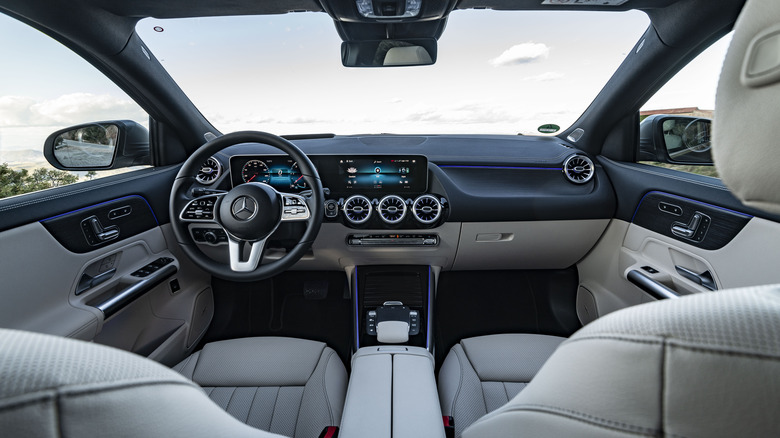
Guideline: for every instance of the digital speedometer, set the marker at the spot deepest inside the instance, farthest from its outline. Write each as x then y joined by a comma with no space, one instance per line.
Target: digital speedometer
255,171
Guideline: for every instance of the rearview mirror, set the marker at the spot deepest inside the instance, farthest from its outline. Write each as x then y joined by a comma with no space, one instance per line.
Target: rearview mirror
389,53
675,140
98,146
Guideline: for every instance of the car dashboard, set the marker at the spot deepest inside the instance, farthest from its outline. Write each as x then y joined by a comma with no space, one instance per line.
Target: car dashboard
459,202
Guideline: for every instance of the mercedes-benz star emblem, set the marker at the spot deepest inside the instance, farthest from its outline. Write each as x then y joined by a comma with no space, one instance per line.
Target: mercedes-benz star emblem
244,208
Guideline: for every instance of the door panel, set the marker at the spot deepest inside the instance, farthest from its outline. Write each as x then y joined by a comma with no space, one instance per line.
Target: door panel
124,283
655,233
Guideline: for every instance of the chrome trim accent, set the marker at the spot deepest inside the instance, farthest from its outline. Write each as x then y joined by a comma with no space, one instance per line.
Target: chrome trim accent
418,210
349,210
382,211
208,179
578,169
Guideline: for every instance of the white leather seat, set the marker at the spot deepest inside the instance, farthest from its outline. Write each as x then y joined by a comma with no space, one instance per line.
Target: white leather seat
483,373
702,365
288,386
54,387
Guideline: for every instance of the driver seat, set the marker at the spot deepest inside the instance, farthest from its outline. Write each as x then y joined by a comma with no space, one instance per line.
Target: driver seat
293,387
56,387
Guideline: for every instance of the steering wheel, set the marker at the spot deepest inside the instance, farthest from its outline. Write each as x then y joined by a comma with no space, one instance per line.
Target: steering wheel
249,213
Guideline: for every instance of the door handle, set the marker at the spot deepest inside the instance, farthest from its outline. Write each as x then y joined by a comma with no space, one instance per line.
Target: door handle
704,279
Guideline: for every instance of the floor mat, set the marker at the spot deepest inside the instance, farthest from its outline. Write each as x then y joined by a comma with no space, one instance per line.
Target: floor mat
278,307
474,303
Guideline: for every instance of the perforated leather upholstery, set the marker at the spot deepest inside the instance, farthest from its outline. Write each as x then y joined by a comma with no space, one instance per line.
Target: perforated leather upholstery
703,365
292,387
481,374
52,387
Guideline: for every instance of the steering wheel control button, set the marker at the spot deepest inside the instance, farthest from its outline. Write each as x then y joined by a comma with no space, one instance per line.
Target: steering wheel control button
295,208
244,208
201,209
213,236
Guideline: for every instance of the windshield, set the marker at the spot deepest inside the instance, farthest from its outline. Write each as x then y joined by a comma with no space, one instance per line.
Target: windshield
496,73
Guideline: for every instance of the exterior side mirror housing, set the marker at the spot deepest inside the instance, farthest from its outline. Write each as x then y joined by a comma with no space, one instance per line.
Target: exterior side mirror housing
675,140
99,146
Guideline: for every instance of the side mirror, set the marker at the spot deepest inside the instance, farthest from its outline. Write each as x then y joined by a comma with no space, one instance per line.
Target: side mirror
675,140
389,53
98,146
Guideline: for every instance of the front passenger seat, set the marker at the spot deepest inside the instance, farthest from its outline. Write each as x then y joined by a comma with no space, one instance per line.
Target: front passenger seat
292,387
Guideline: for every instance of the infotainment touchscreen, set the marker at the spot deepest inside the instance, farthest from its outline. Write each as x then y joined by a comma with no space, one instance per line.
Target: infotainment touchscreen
383,173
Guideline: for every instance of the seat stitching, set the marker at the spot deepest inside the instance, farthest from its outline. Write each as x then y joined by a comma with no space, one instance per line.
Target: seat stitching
211,391
230,400
506,392
325,389
251,405
187,362
592,419
700,349
273,413
460,382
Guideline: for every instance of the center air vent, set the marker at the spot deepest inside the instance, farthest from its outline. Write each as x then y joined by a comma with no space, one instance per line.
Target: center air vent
392,209
578,169
209,171
427,209
357,209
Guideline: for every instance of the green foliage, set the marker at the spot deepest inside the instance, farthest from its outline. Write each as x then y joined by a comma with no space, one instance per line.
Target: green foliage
17,182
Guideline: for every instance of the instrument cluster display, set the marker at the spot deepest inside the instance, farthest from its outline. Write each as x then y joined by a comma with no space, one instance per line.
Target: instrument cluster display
340,173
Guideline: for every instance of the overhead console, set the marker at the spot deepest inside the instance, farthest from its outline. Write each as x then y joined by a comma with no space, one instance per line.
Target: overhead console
362,191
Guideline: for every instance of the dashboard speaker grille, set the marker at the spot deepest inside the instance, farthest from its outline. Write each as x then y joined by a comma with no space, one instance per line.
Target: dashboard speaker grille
209,171
357,209
392,209
427,209
578,169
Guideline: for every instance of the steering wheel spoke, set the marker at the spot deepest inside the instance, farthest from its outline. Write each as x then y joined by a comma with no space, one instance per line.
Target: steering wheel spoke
201,209
294,208
237,248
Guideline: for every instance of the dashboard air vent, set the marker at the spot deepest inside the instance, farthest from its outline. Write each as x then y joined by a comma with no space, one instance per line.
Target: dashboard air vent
357,209
209,171
392,209
427,209
578,169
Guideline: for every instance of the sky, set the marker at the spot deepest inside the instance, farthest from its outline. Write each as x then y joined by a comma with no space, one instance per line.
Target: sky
497,72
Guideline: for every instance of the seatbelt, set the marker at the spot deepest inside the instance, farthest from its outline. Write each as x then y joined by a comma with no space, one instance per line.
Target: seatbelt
329,432
449,426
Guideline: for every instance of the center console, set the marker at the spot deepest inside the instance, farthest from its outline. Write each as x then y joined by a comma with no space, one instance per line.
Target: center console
392,388
392,394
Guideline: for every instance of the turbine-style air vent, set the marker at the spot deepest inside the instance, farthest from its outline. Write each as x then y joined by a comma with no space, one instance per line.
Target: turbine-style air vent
578,169
357,209
427,209
392,209
209,171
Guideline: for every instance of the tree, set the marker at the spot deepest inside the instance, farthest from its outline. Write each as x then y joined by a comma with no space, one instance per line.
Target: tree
91,175
17,182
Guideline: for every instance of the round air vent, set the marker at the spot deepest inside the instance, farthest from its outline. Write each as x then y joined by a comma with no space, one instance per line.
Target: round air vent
578,169
427,209
209,171
392,209
357,209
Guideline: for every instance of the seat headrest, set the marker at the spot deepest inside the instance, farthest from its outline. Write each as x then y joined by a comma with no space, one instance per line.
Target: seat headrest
747,107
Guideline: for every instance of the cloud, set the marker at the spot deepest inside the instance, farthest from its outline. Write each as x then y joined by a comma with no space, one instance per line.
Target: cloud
69,109
524,53
545,77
